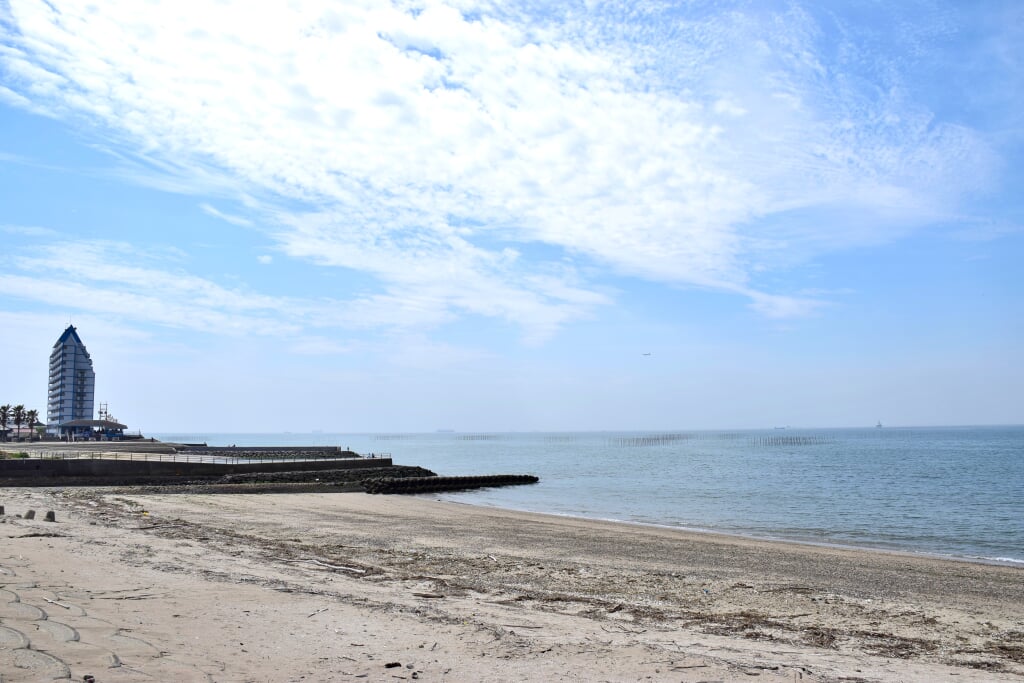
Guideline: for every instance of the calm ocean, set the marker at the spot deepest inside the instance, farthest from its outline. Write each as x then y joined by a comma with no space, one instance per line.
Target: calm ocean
955,491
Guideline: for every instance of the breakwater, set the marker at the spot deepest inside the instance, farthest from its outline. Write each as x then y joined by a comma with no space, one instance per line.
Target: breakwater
312,481
101,471
435,484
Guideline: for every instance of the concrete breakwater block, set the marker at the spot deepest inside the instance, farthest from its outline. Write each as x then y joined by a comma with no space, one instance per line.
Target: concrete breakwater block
435,484
31,514
51,516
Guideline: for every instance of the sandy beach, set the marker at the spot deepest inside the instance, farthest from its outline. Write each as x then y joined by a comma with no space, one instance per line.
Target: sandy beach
349,586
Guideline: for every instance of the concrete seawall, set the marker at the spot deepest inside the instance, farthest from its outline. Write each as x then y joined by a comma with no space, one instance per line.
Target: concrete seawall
83,471
317,451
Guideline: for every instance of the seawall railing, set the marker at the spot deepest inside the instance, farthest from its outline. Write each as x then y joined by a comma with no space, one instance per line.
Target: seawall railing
220,458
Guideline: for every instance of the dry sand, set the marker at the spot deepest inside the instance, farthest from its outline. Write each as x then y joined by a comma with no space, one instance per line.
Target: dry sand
335,587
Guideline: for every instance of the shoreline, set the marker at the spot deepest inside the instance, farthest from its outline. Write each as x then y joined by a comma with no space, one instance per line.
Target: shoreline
1001,562
484,502
981,539
693,534
889,500
334,586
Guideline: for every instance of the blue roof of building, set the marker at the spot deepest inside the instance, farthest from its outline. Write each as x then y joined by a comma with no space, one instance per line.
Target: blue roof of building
70,333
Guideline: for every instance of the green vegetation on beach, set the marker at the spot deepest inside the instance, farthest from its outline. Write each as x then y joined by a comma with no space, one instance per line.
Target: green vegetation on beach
18,415
17,454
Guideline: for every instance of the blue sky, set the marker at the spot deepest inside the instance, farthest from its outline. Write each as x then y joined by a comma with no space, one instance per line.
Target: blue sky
373,216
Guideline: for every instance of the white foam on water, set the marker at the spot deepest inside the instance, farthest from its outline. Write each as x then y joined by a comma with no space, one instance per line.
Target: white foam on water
1009,560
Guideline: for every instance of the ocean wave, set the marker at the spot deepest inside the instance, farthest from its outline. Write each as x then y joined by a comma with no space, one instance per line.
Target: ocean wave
1011,560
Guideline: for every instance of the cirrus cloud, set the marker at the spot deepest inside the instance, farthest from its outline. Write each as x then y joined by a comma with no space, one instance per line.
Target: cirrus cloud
490,161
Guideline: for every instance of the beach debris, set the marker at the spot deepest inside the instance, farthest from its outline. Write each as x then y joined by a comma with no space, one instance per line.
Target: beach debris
1,510
138,596
31,514
392,665
59,604
89,679
623,629
428,595
160,526
313,614
319,563
51,516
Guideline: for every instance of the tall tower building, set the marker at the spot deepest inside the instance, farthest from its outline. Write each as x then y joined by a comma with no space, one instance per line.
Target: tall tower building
72,382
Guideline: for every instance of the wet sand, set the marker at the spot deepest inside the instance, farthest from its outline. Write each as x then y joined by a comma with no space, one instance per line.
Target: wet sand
338,586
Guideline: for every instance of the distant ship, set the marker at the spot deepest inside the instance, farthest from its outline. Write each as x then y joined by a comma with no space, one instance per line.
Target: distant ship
879,425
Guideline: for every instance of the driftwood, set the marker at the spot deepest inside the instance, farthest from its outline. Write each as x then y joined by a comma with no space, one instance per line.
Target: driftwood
59,604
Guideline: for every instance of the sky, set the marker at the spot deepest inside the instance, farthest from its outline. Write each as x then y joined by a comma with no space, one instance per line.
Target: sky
378,216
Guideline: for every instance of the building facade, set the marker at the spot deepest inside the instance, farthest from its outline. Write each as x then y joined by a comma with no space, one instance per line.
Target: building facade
72,382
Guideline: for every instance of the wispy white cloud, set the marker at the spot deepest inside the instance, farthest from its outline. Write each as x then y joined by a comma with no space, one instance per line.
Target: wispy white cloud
28,230
180,176
10,97
153,286
230,218
782,307
440,147
122,281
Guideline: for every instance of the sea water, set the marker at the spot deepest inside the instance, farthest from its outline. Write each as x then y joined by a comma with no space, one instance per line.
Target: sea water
954,491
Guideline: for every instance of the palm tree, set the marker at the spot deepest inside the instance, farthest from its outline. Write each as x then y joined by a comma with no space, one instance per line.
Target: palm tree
19,416
5,415
32,417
